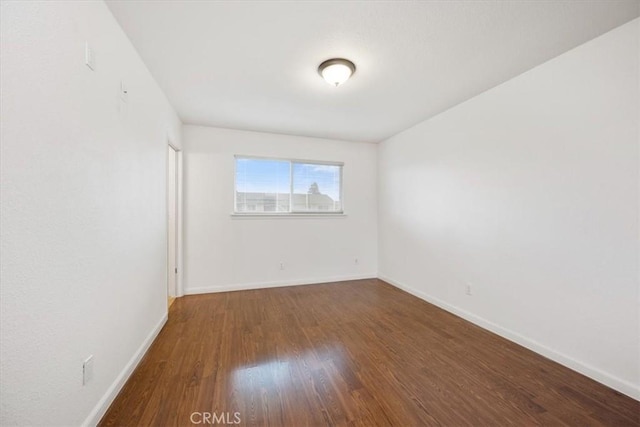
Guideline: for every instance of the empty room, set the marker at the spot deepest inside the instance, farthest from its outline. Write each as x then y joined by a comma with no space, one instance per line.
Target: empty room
320,213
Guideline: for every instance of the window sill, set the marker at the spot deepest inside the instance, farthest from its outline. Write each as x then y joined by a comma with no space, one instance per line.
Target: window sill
286,215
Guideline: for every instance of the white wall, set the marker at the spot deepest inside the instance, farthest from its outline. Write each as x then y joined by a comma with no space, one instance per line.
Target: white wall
83,228
222,252
530,193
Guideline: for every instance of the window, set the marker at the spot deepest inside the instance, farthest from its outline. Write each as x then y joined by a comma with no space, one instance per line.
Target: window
280,186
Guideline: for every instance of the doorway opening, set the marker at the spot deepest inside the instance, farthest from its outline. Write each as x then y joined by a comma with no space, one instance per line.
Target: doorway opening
173,221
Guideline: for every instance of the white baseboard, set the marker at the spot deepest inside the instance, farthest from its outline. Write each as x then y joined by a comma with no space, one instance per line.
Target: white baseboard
596,374
274,284
101,408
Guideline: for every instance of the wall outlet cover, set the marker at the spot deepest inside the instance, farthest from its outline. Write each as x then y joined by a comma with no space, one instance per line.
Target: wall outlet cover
87,370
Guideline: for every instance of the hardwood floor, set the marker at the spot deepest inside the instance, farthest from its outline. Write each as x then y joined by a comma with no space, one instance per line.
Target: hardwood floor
351,353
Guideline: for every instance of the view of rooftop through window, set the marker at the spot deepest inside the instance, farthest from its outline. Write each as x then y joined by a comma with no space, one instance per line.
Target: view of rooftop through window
281,186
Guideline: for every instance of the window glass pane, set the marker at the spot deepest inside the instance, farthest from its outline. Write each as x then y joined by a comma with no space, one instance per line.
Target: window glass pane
262,185
316,188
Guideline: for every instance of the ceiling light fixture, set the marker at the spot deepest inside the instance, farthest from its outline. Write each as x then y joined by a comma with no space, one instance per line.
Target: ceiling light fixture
336,71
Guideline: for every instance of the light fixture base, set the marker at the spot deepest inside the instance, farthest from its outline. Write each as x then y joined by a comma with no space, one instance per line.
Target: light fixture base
347,67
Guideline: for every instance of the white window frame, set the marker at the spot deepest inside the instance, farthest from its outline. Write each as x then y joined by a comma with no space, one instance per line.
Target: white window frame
291,212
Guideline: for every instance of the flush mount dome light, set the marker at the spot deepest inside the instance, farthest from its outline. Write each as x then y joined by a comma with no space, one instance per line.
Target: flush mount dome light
336,71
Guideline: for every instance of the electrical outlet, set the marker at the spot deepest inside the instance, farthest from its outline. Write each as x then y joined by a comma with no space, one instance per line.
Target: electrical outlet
87,370
282,266
357,261
467,289
124,92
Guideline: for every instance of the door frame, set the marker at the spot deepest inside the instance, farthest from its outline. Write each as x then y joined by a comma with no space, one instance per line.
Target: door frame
179,217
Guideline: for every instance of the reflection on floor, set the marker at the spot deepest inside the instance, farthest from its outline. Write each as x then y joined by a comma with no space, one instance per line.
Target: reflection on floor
359,353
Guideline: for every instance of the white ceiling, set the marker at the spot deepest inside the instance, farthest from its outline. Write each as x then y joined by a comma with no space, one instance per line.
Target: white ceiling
253,65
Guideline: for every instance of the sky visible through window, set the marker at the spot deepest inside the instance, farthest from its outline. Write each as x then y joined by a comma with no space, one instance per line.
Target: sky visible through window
272,176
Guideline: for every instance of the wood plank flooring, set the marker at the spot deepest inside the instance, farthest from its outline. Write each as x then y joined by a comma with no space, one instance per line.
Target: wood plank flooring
359,353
